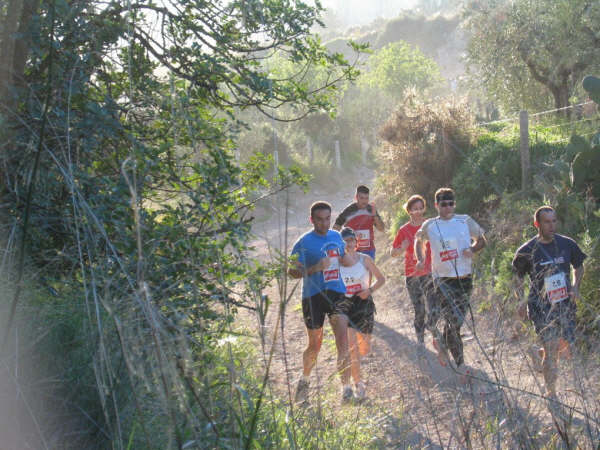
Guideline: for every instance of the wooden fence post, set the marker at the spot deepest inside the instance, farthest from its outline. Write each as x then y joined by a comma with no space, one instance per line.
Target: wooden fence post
338,158
309,152
364,146
525,159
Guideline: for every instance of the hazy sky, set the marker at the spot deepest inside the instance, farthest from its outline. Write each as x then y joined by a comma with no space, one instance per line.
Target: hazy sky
360,12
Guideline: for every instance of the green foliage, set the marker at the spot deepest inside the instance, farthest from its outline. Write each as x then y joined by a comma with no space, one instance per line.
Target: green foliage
528,52
584,177
492,169
278,426
398,66
123,134
489,187
427,33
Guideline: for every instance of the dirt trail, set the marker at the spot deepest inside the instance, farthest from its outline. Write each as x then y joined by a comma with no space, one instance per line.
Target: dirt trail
417,402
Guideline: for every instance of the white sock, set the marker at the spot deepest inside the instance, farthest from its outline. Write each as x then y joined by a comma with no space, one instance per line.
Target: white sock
347,386
305,378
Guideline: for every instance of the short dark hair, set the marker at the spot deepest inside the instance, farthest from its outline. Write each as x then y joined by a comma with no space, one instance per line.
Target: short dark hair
362,189
414,199
444,193
540,210
348,232
319,205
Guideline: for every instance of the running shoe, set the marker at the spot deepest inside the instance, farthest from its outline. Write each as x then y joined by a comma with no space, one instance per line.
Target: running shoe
301,392
347,395
361,391
536,358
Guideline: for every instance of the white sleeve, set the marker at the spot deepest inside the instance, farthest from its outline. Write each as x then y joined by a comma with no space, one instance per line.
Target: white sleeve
475,229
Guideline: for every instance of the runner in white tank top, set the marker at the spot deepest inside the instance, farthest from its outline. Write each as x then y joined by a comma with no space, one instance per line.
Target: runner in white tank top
361,317
454,239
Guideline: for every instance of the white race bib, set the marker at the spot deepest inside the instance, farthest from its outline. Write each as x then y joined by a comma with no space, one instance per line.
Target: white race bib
556,287
332,273
449,250
363,238
353,289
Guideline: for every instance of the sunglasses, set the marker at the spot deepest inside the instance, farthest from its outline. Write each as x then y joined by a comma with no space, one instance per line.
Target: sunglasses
444,203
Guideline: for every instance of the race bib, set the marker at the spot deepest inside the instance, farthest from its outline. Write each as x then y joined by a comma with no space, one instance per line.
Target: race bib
449,250
556,287
353,289
332,273
363,238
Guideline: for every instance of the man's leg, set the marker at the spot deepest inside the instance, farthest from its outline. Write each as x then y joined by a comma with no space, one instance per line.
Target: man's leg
339,325
309,357
549,365
457,298
437,307
314,316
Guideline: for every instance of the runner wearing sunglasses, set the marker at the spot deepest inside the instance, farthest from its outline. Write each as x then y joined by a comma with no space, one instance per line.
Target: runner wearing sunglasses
454,239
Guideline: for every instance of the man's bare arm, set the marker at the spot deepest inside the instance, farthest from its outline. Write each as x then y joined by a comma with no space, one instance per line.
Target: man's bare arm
479,244
297,269
519,293
378,223
577,277
419,251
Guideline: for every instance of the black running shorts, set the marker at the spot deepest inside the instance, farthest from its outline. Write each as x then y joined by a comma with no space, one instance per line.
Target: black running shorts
324,303
362,315
552,321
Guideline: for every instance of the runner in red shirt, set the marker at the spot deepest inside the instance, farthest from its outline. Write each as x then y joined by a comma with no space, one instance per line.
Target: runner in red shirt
361,216
418,282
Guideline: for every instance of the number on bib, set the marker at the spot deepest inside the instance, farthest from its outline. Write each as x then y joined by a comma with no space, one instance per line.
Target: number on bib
450,251
363,238
556,287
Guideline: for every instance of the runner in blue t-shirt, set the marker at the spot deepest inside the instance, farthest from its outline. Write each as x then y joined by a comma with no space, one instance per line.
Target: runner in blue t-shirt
547,259
319,254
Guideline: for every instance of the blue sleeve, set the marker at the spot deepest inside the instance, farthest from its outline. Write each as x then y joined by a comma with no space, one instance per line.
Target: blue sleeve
298,249
342,247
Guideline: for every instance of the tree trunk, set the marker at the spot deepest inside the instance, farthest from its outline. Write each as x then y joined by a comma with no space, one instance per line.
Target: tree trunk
22,45
561,98
9,26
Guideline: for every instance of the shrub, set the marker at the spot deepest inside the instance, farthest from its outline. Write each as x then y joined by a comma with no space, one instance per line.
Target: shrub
423,145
